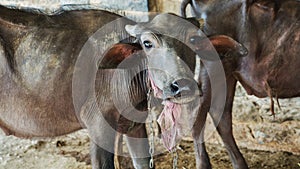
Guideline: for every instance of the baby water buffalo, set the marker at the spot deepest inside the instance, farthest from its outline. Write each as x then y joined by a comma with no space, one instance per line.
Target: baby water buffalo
270,30
40,56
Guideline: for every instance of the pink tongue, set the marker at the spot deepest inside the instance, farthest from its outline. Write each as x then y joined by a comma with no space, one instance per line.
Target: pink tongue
168,123
167,119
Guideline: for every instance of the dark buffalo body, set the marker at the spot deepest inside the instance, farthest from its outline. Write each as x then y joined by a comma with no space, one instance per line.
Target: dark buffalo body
37,62
37,59
270,30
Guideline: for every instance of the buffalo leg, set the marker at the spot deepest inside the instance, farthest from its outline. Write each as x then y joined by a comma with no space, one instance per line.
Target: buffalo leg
202,159
138,147
224,128
101,159
102,138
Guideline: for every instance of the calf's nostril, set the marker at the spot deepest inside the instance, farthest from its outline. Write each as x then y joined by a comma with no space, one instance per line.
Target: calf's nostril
182,87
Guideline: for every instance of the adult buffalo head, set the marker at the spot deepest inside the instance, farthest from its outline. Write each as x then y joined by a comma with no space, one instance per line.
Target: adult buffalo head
220,17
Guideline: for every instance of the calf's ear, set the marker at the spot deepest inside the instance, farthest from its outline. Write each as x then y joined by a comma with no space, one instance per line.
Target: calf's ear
117,54
134,30
228,47
225,46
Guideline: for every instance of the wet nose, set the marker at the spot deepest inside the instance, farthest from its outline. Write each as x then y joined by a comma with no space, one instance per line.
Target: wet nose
183,87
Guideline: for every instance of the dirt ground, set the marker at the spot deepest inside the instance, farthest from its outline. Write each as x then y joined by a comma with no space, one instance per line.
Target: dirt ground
264,141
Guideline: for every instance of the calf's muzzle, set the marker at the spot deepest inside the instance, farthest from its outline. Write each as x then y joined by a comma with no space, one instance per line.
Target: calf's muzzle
180,88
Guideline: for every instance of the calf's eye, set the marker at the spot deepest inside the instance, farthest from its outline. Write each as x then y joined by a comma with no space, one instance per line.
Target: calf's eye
147,44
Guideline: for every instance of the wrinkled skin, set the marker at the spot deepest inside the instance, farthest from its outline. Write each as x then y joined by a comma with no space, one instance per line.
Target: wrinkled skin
270,30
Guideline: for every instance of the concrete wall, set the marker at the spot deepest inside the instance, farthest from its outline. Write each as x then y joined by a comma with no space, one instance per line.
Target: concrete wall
52,6
134,9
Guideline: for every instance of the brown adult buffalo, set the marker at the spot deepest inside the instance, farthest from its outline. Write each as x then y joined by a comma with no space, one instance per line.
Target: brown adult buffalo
40,56
270,30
